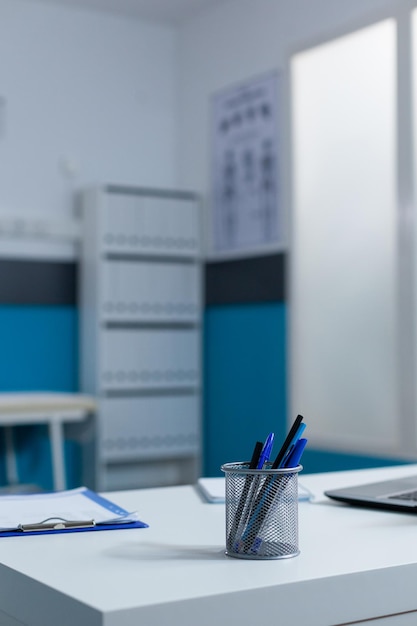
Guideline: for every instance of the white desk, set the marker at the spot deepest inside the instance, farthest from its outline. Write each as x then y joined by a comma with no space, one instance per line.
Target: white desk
354,565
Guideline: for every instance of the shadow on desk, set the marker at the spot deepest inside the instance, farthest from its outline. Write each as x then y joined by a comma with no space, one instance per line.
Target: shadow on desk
164,551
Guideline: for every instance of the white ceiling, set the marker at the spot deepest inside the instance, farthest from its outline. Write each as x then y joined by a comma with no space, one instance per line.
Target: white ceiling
168,11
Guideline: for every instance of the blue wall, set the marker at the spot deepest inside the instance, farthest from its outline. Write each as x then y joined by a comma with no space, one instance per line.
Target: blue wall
245,380
39,353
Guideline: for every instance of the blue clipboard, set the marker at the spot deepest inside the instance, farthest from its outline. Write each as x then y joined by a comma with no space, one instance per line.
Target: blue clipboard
117,519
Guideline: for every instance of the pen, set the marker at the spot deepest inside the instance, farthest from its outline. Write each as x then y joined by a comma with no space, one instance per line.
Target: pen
245,491
266,451
293,431
292,445
250,494
290,439
255,455
295,456
293,460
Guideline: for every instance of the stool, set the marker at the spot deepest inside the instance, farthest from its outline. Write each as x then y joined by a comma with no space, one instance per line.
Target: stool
54,409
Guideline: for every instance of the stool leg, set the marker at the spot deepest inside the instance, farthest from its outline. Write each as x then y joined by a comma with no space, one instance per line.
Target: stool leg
11,463
57,449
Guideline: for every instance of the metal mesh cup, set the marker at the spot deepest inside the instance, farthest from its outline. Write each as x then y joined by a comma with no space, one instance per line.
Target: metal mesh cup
261,512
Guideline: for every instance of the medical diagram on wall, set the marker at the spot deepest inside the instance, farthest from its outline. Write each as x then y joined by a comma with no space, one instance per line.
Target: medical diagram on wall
245,167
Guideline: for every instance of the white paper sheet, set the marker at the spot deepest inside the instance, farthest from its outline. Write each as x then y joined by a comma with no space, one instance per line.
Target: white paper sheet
68,505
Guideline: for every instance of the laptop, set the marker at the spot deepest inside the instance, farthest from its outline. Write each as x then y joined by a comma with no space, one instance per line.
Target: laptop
399,494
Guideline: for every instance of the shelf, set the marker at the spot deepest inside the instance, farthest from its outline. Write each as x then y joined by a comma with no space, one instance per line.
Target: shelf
141,317
126,245
127,313
166,387
151,427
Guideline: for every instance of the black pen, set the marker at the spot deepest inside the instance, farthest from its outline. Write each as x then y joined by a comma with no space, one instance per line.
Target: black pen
245,491
293,431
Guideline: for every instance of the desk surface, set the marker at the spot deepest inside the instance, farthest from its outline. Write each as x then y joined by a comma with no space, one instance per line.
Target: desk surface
355,564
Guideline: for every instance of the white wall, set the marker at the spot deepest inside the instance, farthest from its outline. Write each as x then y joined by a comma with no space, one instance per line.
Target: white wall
90,98
243,39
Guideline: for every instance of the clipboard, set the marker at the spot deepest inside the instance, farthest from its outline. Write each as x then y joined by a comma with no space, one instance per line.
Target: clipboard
73,510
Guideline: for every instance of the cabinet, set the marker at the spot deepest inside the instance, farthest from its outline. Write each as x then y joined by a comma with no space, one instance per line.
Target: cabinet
140,331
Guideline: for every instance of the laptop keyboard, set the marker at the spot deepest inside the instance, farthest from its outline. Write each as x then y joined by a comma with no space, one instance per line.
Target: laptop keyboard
410,496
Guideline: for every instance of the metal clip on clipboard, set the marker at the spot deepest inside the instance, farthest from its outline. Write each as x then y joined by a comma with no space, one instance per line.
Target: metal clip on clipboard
58,524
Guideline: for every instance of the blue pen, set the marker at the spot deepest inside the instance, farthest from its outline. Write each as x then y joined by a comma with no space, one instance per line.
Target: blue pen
251,493
293,461
295,456
266,451
292,445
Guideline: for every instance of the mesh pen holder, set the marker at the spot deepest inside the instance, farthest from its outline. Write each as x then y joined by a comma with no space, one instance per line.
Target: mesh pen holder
261,511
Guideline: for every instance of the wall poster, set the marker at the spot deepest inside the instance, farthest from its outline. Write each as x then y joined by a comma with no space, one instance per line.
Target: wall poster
245,167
